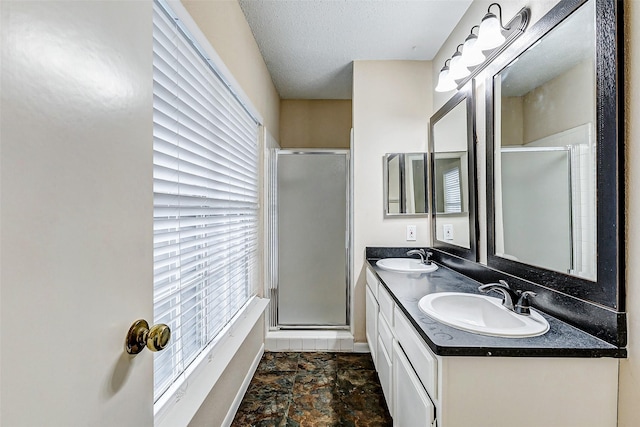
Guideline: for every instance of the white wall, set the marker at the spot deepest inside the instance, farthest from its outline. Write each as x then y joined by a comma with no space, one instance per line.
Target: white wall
391,108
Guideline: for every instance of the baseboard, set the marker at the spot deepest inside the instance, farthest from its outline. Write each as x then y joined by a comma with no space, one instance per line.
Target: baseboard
243,389
361,347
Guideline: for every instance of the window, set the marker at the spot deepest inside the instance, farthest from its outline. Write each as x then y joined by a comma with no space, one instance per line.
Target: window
205,199
452,196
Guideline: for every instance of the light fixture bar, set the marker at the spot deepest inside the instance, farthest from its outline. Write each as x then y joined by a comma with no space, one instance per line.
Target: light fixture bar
460,64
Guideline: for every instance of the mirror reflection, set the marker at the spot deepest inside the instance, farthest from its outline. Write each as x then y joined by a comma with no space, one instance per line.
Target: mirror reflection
545,159
405,184
451,177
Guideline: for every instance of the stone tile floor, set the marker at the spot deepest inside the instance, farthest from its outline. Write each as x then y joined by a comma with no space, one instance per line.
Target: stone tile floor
314,390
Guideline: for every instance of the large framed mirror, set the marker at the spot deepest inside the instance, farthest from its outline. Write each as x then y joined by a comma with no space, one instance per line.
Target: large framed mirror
554,154
405,184
453,176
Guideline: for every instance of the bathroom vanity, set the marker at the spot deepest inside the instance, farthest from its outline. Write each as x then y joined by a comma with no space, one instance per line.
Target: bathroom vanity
433,374
553,224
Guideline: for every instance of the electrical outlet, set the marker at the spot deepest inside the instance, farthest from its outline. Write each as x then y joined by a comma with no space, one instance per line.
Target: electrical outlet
448,231
411,232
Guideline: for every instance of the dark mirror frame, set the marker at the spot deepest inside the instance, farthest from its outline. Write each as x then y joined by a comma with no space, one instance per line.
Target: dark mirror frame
608,290
467,95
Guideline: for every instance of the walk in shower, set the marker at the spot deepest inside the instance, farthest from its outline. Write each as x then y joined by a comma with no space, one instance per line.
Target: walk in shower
309,240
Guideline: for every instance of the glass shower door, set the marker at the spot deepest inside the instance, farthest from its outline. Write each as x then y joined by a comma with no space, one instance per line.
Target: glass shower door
312,230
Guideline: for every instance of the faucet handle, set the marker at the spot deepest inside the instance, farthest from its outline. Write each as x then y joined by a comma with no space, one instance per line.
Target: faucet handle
504,283
427,257
523,306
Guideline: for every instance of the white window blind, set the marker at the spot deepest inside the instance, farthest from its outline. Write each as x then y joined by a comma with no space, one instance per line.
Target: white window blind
452,196
205,200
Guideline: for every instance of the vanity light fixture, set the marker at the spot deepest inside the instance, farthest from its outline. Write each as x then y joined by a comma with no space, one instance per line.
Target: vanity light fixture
493,38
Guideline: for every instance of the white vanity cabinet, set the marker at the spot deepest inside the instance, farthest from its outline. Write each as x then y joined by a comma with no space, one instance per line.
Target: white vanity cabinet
406,396
424,389
371,297
379,315
413,405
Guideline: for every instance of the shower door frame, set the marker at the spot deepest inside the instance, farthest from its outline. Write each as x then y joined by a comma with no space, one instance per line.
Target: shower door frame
272,237
569,150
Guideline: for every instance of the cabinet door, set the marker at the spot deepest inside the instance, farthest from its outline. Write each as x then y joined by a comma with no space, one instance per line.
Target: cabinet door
412,406
372,325
385,374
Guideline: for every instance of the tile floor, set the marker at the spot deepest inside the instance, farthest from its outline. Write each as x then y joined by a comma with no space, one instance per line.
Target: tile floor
314,390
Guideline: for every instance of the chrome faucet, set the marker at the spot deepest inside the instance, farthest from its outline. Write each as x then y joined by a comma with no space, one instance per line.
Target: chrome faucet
424,256
522,306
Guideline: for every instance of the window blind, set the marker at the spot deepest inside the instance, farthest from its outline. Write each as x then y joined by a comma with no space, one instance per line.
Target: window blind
452,196
205,180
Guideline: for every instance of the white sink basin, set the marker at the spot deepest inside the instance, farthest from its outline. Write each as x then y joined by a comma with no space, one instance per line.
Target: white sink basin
406,265
482,315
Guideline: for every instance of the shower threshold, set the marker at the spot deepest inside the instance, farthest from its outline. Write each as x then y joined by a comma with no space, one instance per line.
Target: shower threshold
313,340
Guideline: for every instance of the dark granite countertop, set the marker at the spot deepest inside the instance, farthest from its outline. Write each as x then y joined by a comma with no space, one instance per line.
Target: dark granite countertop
562,339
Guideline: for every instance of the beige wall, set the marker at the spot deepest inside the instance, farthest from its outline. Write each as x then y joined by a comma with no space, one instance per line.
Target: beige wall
226,28
216,406
315,123
512,120
560,104
391,107
629,391
555,106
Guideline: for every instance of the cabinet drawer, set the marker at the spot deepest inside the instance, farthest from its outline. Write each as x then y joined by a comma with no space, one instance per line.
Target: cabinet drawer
386,304
386,337
423,360
372,282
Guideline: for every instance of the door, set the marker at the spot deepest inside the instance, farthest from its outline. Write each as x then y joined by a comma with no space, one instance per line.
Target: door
313,208
76,212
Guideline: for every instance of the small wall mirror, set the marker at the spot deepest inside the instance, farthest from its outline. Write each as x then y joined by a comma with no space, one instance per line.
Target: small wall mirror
453,176
552,131
405,190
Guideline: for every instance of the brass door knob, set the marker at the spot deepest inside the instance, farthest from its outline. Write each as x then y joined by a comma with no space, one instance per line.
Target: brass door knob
140,335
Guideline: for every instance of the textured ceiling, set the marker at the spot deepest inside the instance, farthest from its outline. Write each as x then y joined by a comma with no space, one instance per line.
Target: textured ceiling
309,45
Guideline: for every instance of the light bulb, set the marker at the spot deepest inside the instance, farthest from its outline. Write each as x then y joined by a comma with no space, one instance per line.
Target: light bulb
445,83
471,55
490,33
457,69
